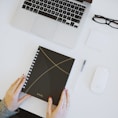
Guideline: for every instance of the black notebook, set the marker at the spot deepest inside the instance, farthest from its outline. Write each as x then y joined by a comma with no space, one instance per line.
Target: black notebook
48,74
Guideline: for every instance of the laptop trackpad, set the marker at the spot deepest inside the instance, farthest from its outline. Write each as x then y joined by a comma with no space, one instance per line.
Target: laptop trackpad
44,27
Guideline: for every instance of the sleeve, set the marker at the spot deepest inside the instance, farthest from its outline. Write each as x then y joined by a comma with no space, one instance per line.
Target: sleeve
4,112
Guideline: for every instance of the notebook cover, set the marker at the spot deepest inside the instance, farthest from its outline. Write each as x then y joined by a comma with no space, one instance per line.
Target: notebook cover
48,75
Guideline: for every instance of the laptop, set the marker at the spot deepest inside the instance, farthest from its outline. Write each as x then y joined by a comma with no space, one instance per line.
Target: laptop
58,21
24,114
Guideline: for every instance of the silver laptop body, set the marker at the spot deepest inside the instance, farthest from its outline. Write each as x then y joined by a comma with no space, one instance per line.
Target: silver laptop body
62,28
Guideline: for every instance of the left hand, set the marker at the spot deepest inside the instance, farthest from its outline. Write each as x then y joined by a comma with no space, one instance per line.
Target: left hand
11,98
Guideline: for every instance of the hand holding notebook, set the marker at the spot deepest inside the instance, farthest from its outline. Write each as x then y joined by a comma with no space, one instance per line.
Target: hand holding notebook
61,109
48,75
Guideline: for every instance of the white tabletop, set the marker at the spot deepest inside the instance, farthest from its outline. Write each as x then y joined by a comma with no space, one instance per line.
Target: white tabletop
17,49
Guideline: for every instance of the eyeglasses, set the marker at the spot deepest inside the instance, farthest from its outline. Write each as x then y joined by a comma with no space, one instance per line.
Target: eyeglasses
102,20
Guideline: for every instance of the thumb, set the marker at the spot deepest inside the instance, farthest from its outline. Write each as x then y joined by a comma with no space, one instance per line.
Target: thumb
21,100
49,108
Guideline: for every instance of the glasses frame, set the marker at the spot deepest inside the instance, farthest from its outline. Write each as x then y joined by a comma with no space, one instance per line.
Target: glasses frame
108,21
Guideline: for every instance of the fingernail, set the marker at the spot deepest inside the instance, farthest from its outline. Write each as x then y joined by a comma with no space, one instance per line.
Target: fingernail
23,75
49,98
65,89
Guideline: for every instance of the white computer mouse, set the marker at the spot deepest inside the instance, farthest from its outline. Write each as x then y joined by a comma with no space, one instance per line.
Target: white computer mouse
99,80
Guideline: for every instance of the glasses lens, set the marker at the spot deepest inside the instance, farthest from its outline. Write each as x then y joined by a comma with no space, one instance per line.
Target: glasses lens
114,24
100,20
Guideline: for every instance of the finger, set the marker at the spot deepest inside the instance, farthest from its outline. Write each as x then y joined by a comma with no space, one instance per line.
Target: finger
62,99
16,84
49,108
20,85
67,99
16,81
13,86
22,99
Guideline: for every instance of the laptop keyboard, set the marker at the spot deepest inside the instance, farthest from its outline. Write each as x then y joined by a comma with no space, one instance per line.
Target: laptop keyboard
64,11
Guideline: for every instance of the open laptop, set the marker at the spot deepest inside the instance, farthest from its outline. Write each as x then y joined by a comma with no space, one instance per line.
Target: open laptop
59,21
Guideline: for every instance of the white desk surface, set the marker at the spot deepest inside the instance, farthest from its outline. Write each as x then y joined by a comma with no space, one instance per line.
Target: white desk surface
17,49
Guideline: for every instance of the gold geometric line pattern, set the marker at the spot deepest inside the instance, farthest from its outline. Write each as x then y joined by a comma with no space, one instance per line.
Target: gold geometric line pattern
53,62
47,72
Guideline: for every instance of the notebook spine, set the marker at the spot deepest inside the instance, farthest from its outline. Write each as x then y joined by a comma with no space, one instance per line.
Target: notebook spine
31,68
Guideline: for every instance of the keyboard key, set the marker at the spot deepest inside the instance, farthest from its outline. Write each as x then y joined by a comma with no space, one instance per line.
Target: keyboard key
59,19
28,3
75,20
72,23
48,15
64,20
23,6
77,17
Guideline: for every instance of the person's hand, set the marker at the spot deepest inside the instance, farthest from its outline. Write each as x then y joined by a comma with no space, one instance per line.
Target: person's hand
62,107
12,99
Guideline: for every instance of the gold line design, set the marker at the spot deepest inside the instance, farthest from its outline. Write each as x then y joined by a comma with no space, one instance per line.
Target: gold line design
53,62
55,65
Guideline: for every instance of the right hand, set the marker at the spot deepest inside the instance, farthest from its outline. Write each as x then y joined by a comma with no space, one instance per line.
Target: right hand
62,107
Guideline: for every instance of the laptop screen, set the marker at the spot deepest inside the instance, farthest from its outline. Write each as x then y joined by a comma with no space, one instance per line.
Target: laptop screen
90,1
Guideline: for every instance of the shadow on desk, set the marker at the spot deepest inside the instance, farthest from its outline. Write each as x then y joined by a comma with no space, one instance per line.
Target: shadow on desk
25,114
